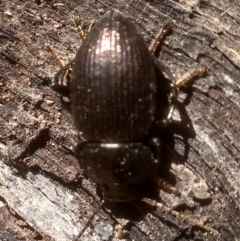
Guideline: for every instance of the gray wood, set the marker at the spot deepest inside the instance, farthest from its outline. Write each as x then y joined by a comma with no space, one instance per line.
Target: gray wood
40,198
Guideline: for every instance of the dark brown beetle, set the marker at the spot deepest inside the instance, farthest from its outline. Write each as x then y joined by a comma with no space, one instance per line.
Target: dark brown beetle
114,93
113,104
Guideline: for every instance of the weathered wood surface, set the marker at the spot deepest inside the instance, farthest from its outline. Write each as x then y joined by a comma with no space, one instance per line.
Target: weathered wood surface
39,199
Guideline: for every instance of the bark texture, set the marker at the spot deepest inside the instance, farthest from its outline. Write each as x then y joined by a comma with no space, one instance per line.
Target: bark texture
40,198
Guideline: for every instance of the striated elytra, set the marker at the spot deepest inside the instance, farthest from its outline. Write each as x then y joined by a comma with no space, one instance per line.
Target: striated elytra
114,98
113,88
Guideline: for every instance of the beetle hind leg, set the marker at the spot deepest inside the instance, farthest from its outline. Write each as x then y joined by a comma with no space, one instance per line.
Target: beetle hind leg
167,187
182,216
159,37
190,75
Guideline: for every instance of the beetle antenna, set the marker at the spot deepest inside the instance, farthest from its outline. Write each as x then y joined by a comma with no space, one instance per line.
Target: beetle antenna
89,220
180,215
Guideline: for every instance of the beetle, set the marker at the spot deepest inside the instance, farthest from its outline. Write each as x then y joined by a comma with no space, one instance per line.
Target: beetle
113,93
118,102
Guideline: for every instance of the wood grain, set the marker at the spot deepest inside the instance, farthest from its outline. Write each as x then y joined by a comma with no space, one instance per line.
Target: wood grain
40,198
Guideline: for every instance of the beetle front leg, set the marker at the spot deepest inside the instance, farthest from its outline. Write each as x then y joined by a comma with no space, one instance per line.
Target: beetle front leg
57,85
62,89
81,34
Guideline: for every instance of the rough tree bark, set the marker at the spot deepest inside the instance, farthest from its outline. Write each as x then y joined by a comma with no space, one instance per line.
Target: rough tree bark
39,197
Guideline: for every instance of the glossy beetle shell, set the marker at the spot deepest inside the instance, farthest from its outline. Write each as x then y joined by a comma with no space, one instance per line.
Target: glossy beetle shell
118,168
113,86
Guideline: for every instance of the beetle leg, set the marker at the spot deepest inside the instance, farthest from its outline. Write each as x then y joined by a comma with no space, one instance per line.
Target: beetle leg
57,59
54,56
155,144
180,215
176,84
95,212
187,77
63,87
79,29
190,76
164,185
159,37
